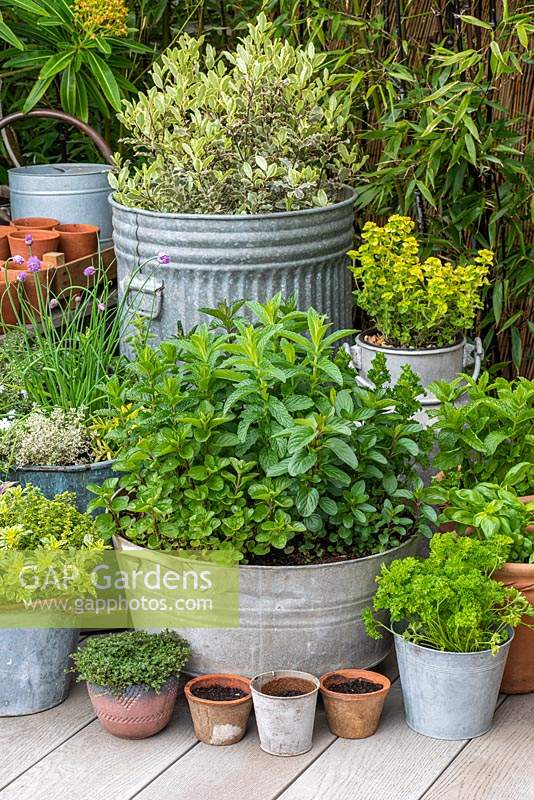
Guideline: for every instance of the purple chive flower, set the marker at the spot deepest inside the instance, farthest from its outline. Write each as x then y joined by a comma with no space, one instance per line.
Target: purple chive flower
34,265
22,276
88,271
18,260
28,239
101,306
53,304
164,258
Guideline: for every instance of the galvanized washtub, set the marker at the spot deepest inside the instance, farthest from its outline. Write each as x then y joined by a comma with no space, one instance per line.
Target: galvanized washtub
32,668
304,617
216,257
54,480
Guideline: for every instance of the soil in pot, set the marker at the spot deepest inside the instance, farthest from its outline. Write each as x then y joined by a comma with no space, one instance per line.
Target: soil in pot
287,687
220,706
77,240
353,701
36,223
43,242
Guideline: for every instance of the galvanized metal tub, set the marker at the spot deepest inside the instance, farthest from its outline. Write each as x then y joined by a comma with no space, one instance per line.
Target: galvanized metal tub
449,695
54,480
305,616
216,257
67,192
32,668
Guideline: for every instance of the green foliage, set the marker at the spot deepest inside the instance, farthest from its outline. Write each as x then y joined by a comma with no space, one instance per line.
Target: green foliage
258,129
449,601
257,441
488,510
132,658
490,438
12,396
415,303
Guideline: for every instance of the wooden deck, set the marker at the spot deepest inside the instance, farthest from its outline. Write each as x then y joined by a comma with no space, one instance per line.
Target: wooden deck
64,754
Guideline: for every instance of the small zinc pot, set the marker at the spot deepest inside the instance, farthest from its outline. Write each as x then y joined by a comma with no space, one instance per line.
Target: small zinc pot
449,695
5,230
77,240
55,480
137,713
43,242
285,723
219,722
32,668
36,223
353,716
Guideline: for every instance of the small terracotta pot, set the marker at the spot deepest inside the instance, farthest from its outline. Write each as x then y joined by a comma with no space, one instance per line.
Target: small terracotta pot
353,716
518,675
77,241
9,298
219,722
5,230
138,713
36,223
43,242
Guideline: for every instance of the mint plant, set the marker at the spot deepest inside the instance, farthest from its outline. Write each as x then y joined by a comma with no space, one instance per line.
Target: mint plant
489,439
449,601
257,441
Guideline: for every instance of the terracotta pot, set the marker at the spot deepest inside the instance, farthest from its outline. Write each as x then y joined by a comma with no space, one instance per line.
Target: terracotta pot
5,230
43,242
9,298
36,223
77,241
219,722
518,675
138,713
353,716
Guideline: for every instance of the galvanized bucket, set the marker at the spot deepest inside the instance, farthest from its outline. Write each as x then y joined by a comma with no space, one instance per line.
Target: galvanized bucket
449,695
54,480
32,668
433,364
285,724
216,257
67,192
305,615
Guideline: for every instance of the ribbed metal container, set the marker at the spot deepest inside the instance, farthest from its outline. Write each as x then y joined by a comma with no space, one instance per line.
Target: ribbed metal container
219,257
54,480
307,616
67,192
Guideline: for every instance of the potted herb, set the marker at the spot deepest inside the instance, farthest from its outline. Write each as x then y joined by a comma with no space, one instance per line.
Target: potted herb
490,438
485,511
132,679
220,706
420,309
254,442
239,166
453,626
284,706
353,700
35,534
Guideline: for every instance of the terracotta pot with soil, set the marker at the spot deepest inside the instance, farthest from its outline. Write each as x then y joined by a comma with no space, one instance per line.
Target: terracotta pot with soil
5,230
77,240
137,713
36,223
353,701
42,242
284,704
220,706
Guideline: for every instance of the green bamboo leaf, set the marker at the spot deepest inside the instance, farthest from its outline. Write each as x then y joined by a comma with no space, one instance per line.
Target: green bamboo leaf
496,300
517,348
474,21
105,79
511,321
471,148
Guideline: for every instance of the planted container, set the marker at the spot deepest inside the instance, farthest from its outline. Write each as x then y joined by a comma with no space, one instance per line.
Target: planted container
353,701
220,714
136,713
43,242
77,240
216,257
55,480
307,615
450,695
33,663
284,705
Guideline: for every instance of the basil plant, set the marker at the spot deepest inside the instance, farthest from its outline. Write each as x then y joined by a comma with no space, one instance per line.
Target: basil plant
254,439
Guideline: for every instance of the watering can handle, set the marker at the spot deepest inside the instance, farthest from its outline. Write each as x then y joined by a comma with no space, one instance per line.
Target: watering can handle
474,354
50,113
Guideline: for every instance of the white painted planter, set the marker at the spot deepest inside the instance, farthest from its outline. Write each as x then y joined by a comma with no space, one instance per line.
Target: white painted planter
285,724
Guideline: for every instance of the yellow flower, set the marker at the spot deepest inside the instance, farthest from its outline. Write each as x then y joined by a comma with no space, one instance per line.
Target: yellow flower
101,17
